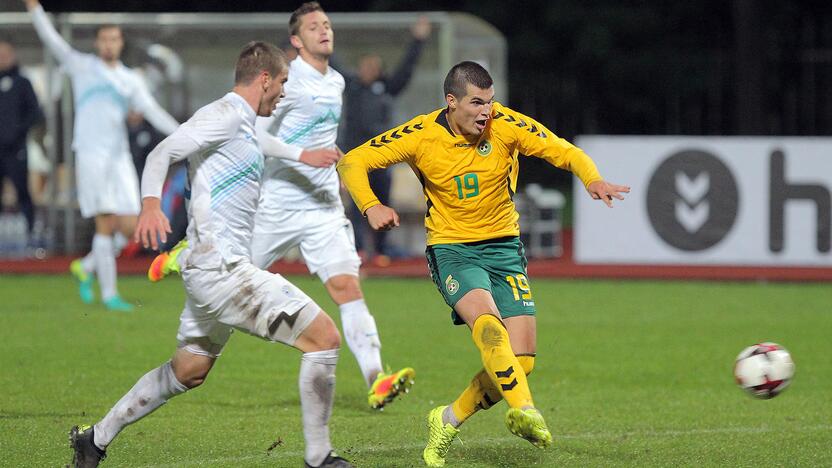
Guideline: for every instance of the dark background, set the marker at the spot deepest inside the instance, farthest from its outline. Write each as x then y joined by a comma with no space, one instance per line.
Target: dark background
698,67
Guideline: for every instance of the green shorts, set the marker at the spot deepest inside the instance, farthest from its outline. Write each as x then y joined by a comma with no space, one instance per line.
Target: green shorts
496,265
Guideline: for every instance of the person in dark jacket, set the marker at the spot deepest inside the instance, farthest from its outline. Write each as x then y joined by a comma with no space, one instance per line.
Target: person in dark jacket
19,111
369,97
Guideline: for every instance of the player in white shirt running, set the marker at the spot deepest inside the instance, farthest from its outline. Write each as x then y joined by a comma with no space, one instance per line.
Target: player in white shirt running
223,289
108,189
300,204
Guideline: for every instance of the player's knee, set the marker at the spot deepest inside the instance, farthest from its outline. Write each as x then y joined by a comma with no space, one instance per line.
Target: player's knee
193,381
320,335
328,338
344,288
191,373
489,332
191,376
527,362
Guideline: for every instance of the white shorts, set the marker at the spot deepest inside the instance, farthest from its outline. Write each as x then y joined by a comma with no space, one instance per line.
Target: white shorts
325,237
107,184
244,297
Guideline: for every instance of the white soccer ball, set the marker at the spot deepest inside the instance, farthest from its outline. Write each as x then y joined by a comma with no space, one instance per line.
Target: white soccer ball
764,370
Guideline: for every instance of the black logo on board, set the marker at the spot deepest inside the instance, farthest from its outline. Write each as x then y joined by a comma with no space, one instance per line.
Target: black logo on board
692,200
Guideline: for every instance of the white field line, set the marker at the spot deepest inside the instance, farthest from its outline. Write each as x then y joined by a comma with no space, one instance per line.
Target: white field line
281,454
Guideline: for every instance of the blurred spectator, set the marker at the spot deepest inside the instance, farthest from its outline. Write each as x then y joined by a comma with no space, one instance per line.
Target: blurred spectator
369,97
19,111
143,138
40,167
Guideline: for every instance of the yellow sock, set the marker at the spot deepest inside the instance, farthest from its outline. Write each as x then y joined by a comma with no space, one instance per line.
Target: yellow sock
481,392
527,361
500,363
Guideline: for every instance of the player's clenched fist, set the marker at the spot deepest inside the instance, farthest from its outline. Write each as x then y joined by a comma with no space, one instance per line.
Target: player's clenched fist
382,218
152,225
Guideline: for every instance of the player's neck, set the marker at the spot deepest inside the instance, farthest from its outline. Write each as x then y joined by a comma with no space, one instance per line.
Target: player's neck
318,62
458,129
250,94
112,63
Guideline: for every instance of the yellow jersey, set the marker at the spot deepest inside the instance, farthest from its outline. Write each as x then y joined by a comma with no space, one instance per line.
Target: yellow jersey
468,184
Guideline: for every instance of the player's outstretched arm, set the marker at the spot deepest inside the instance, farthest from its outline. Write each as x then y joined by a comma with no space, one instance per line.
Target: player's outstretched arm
152,225
321,157
145,103
382,217
53,41
274,147
606,191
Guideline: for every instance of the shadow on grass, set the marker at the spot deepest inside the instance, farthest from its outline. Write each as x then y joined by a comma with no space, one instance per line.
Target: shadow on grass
31,415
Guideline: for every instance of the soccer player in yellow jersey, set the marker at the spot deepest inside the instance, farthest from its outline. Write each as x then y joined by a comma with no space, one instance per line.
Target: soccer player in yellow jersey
465,155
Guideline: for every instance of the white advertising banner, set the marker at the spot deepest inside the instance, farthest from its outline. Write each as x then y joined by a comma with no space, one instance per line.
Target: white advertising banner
709,201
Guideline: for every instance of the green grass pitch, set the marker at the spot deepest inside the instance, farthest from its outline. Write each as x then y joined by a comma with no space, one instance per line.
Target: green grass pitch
627,374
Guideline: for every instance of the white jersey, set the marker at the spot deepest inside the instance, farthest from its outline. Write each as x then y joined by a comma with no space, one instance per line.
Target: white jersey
307,118
225,166
103,95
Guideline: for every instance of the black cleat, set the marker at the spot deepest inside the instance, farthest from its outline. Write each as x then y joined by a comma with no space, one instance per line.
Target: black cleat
86,454
331,461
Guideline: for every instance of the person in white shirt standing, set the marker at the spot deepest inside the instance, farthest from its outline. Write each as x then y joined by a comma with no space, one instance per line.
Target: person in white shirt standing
223,290
300,204
108,188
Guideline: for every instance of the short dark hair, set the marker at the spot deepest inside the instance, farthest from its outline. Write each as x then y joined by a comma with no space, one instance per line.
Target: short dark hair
256,57
294,20
463,73
102,27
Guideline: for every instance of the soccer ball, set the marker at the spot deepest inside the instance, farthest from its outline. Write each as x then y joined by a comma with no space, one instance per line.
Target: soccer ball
764,370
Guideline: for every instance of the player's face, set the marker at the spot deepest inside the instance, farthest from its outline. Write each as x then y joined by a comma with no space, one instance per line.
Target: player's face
272,92
109,43
315,34
470,114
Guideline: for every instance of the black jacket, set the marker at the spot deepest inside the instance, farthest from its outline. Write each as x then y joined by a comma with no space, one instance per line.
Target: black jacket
19,110
369,109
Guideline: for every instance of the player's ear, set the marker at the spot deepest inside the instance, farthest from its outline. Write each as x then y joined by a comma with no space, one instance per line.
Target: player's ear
265,80
451,100
295,41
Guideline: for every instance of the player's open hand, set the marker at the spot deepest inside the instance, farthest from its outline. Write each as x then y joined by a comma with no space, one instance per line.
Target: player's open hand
605,191
30,4
421,28
152,225
323,157
382,218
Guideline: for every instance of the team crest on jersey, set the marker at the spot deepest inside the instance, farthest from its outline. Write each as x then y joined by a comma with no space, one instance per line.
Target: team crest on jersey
484,148
451,285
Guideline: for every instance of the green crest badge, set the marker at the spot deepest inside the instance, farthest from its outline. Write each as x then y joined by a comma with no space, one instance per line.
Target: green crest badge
484,148
451,285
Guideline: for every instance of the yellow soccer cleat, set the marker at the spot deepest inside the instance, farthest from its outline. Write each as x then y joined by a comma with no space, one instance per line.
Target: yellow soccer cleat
440,437
529,424
165,263
388,386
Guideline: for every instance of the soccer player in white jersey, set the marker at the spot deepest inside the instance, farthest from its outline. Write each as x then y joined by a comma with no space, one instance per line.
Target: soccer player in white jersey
301,204
223,289
108,189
